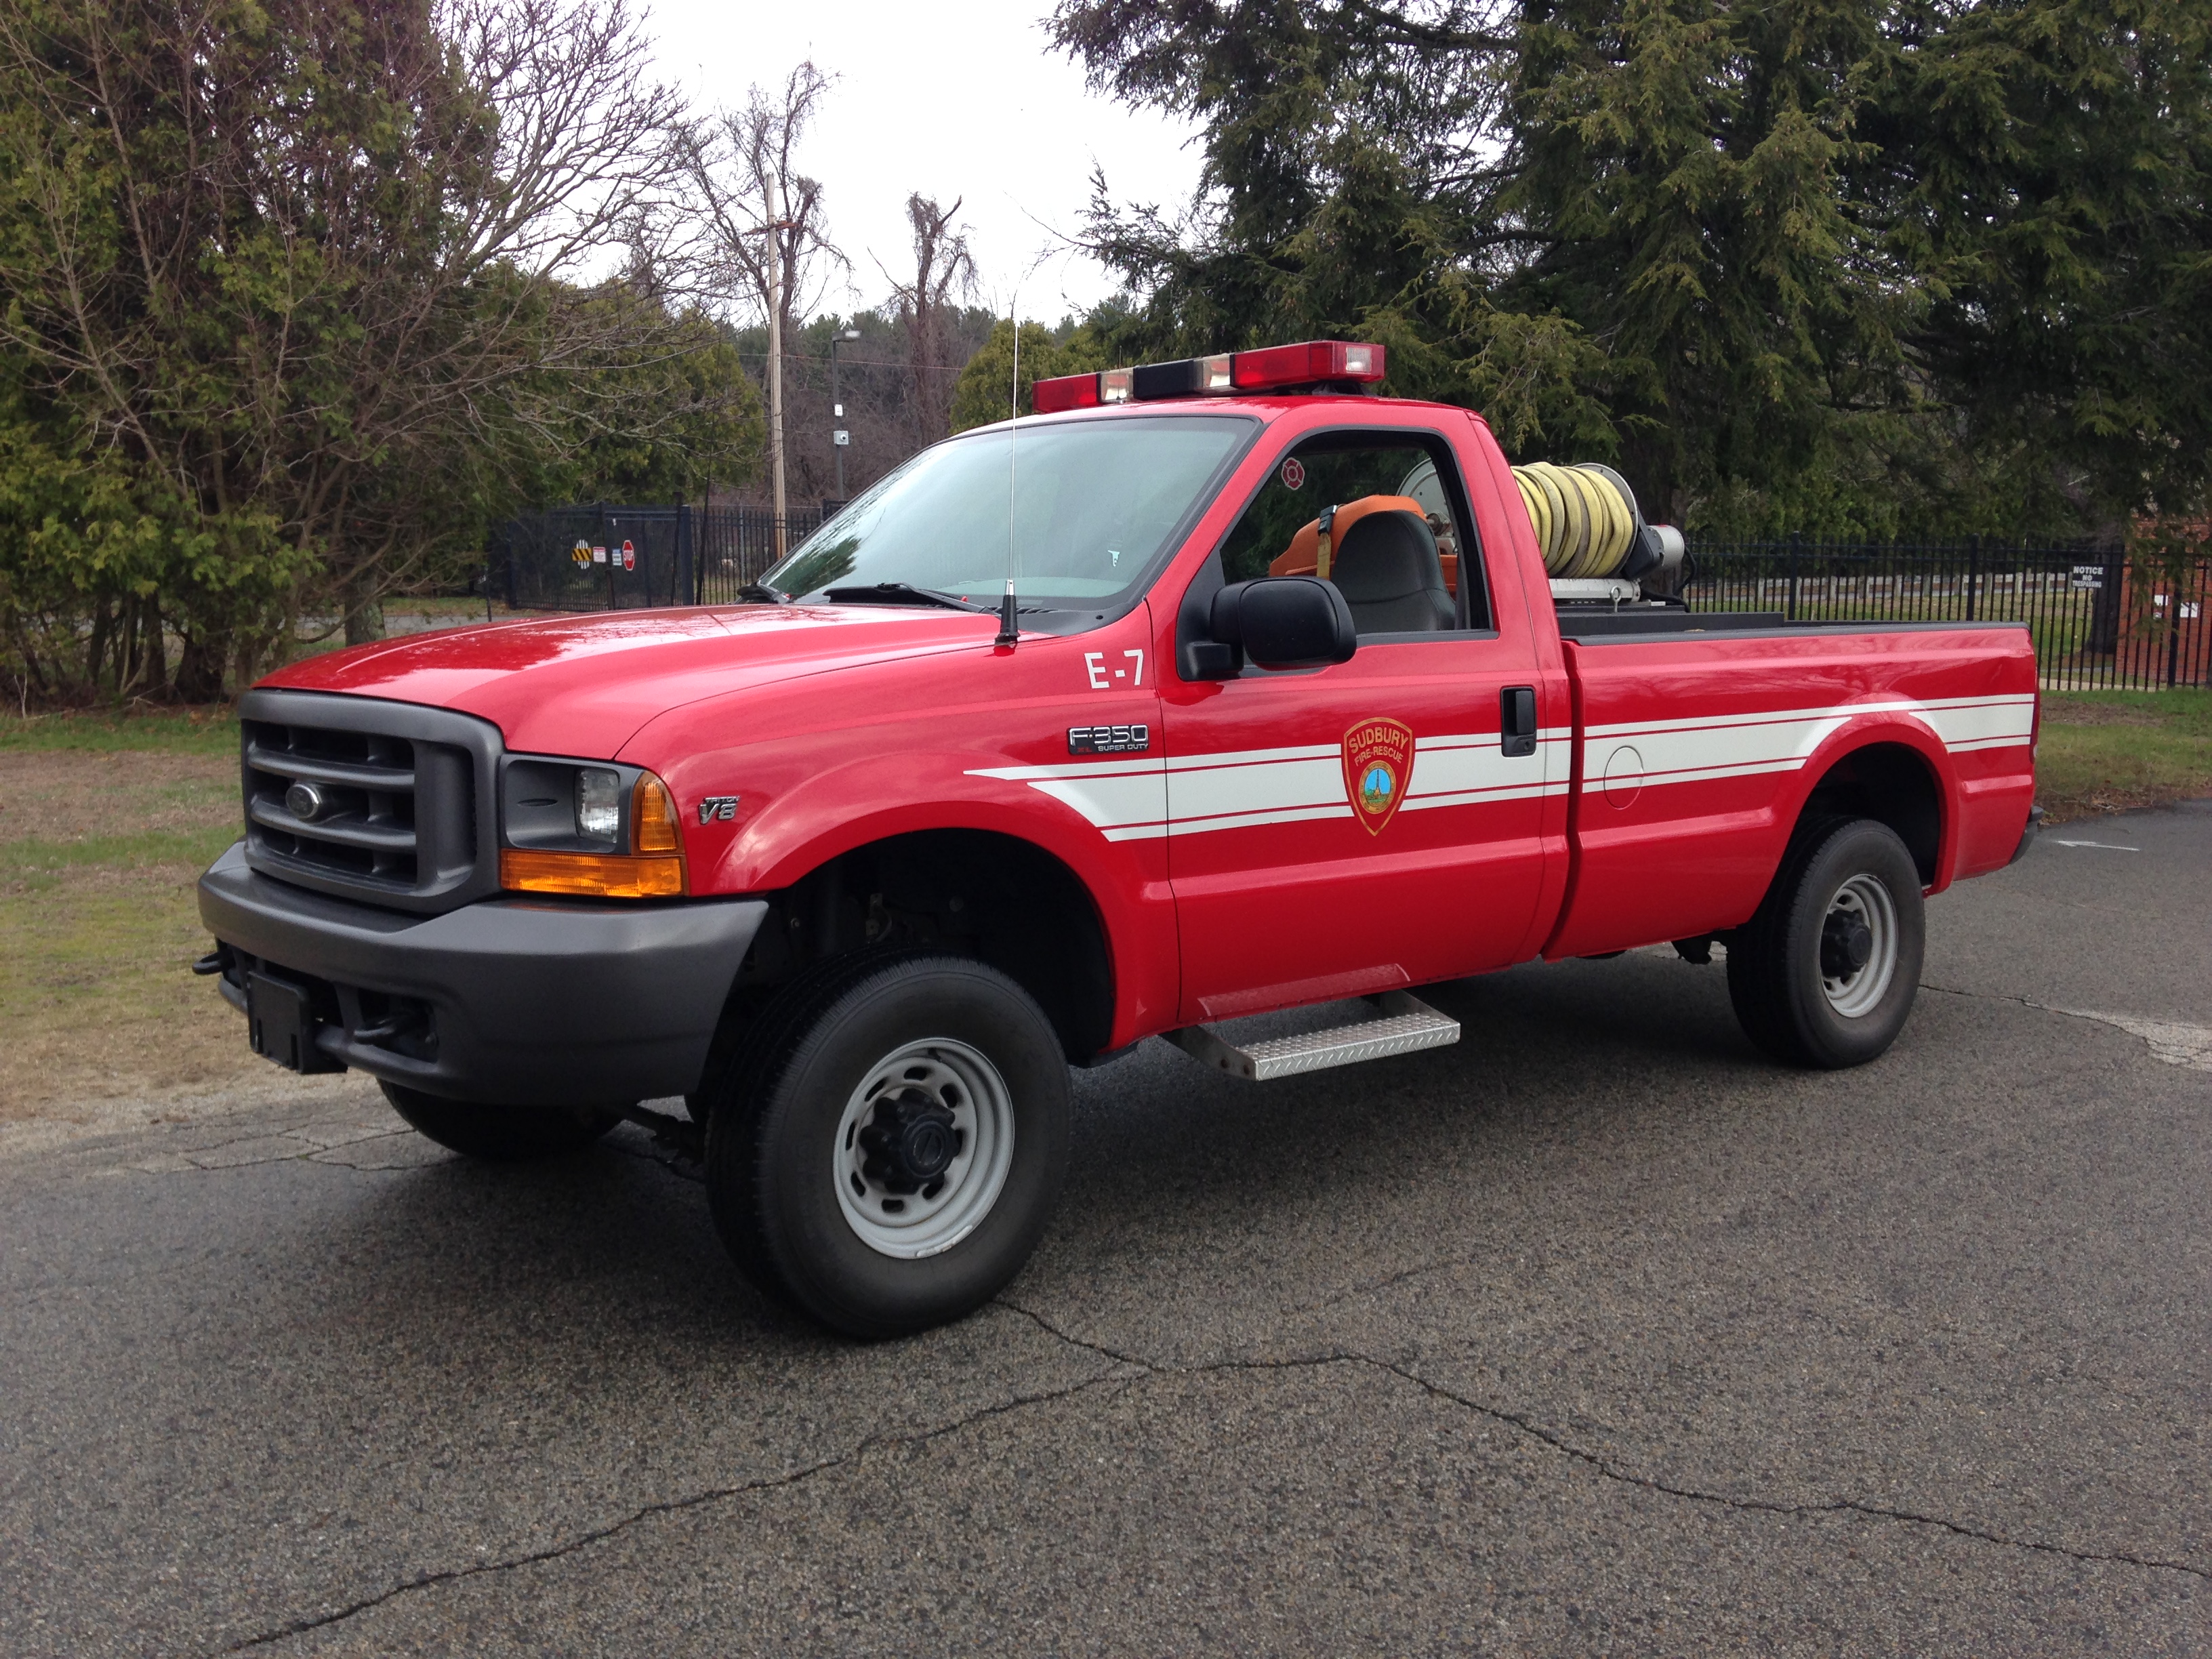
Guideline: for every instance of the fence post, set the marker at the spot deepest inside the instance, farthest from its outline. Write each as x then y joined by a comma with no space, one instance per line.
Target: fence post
1796,537
2173,628
685,583
1974,571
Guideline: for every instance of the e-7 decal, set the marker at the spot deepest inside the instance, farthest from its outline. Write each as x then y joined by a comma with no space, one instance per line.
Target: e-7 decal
1094,665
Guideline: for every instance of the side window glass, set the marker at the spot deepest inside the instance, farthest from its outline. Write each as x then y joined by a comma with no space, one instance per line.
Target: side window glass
1381,514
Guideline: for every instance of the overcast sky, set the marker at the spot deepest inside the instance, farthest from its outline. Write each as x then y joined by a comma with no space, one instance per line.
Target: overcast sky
964,100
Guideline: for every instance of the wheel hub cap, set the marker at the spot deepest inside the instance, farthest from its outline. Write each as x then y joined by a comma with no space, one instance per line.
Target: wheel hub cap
909,1142
1859,946
1846,942
923,1148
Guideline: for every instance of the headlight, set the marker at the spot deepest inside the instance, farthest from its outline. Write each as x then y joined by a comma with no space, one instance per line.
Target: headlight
589,831
598,804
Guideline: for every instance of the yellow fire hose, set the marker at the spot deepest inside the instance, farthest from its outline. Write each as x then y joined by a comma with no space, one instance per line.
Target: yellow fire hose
1585,517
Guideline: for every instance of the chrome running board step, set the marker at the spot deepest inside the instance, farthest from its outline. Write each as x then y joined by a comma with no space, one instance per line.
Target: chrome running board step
1407,1023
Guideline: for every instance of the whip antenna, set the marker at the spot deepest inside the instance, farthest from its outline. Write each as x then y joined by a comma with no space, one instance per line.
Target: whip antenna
1010,626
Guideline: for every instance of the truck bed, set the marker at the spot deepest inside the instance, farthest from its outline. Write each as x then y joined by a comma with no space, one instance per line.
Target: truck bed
1700,737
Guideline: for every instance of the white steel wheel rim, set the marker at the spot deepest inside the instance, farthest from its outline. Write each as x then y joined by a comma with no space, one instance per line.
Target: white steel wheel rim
911,1224
1866,900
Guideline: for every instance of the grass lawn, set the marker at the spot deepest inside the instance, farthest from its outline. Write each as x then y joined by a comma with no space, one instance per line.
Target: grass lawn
105,823
2105,751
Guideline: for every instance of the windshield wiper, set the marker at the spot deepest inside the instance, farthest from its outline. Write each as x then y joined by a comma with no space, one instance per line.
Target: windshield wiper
903,593
758,593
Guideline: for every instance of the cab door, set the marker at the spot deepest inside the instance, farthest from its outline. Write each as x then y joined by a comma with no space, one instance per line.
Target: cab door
1353,828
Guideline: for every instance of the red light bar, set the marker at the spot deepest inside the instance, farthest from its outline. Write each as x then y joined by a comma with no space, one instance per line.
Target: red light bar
1306,363
1068,391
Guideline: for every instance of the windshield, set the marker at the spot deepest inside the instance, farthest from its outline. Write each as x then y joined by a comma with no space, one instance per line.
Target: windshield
1092,503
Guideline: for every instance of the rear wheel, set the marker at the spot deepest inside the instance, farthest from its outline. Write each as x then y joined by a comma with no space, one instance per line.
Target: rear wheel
887,1154
501,1134
1825,974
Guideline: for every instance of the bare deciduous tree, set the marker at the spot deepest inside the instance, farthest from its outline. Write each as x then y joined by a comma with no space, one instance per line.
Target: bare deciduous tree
944,273
750,230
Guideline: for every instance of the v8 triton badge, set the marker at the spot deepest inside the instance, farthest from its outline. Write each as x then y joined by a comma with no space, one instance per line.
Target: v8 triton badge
1378,763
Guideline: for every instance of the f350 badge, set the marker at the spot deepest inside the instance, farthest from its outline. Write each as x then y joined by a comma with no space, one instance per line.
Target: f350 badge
1378,763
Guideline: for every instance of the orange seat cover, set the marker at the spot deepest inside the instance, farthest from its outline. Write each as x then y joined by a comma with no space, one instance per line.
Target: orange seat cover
1302,555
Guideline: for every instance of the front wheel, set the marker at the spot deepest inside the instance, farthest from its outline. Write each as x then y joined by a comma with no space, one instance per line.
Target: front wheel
500,1134
893,1162
1825,974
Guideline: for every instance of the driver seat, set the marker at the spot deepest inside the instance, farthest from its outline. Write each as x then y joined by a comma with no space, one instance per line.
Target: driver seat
1390,573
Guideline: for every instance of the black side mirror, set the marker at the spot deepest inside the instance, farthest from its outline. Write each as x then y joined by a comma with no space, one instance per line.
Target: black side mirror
1286,622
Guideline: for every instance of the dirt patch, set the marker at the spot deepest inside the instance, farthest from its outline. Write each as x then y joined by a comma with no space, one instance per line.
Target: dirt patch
65,795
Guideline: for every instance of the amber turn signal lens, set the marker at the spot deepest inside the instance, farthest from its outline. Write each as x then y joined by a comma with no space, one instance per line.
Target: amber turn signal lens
591,875
653,815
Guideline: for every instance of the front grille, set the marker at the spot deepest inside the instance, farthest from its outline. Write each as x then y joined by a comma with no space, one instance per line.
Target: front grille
365,826
382,801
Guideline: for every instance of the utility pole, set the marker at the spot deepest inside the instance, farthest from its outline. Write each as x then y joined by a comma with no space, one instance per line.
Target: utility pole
839,438
776,226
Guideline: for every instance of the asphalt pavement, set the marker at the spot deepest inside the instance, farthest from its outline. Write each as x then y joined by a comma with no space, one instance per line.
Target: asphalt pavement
1596,1333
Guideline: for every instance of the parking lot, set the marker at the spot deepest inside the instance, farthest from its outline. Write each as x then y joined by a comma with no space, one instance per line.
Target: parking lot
1594,1333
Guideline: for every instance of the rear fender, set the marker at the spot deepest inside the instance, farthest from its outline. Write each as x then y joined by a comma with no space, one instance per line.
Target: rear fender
1903,729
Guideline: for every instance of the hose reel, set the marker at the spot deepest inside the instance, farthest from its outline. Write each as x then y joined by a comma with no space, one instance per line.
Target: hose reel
1588,523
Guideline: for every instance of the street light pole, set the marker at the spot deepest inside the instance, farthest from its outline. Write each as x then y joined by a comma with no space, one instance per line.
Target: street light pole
839,437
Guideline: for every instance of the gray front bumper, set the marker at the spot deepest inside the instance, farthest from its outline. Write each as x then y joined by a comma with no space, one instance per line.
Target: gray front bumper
534,1002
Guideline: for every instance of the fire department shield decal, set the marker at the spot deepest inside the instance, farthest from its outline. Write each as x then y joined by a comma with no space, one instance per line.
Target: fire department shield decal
1378,763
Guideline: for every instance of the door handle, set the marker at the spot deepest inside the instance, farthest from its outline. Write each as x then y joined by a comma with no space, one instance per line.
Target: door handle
1516,720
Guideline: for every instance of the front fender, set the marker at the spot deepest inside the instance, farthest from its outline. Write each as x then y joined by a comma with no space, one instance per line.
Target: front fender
796,812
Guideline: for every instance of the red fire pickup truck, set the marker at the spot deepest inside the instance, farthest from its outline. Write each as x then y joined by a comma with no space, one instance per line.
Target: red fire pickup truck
1033,752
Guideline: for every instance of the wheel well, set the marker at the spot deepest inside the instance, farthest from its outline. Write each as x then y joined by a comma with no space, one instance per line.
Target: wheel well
1891,784
995,897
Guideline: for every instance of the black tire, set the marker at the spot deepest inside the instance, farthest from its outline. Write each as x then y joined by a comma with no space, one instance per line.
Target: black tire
779,1137
501,1134
1839,875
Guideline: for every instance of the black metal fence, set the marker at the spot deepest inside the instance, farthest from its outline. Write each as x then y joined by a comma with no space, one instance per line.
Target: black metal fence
2100,621
618,558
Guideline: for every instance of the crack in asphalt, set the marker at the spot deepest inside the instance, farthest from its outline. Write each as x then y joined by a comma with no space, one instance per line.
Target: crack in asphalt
1605,1466
598,1534
2176,1041
681,1165
309,1154
1612,1471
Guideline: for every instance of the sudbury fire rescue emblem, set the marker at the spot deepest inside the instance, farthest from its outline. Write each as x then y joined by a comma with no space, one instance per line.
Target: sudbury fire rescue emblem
1378,763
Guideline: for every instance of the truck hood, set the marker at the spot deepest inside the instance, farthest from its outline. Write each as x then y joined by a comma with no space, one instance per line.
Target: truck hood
583,685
